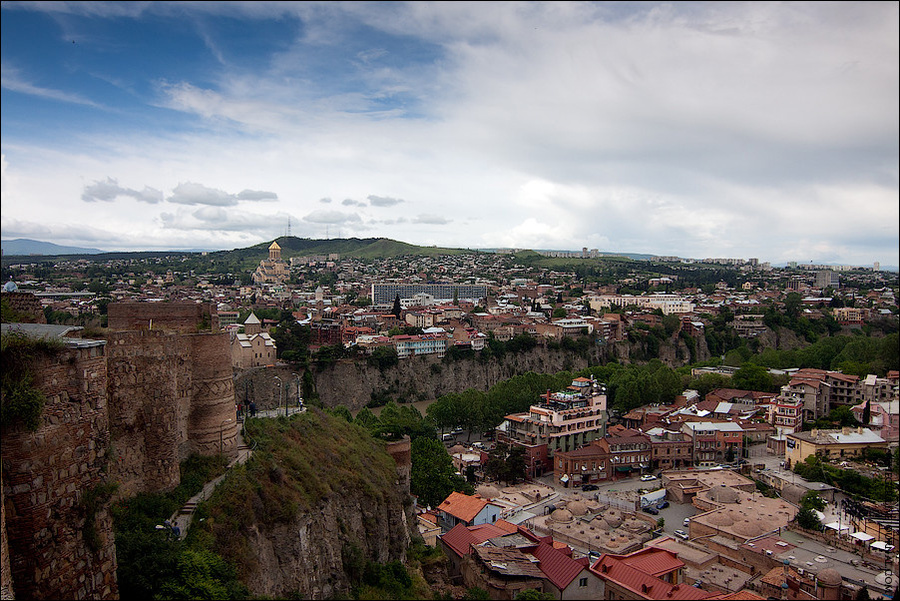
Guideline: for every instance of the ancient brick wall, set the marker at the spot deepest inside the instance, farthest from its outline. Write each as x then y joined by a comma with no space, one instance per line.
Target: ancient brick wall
143,397
6,590
179,316
55,552
25,303
171,395
401,451
212,425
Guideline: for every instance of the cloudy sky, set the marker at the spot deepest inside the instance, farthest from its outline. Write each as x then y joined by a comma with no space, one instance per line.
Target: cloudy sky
691,129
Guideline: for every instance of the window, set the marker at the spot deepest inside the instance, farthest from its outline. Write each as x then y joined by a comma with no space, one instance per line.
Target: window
582,582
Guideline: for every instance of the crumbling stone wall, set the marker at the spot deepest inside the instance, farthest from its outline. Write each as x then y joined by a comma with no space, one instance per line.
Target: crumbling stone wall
401,451
180,316
171,395
26,304
56,550
212,426
143,396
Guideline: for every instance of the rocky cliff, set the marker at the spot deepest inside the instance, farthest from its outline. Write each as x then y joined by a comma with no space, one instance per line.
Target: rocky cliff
356,383
318,499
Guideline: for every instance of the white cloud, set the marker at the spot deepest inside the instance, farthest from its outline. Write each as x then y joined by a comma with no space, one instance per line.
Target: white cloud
332,217
431,220
700,130
110,190
190,193
383,201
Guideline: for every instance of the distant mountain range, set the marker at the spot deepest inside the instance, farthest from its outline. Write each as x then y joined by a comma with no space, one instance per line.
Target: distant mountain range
363,248
24,246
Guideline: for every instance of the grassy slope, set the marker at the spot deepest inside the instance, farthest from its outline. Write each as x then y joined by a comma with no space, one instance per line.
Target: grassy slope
299,462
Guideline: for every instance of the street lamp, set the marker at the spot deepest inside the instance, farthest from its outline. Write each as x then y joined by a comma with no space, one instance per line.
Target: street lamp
222,435
299,397
280,391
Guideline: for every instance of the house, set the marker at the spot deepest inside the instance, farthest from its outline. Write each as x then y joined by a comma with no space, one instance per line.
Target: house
253,347
467,510
505,559
831,444
650,573
562,420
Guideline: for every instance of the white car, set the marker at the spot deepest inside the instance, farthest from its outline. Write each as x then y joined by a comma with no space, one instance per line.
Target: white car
681,534
647,477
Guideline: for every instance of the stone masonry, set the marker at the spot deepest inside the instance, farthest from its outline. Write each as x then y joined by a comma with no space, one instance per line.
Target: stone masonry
47,475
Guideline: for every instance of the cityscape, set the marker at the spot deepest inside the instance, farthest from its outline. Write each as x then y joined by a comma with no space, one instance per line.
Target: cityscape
635,413
450,301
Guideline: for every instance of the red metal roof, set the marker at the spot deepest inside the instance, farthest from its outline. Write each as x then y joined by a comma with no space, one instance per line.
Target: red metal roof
460,539
646,586
559,568
653,561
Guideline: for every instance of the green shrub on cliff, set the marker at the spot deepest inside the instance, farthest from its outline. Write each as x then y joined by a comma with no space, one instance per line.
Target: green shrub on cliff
152,564
21,399
299,462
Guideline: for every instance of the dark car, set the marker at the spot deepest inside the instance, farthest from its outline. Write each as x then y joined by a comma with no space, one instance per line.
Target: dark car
651,510
589,487
662,504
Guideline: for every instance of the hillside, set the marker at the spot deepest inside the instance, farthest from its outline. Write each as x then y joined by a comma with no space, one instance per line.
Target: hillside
318,499
246,258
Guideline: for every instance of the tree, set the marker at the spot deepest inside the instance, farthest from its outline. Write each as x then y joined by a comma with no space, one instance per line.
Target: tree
807,518
506,463
384,357
397,310
433,477
812,500
752,377
343,412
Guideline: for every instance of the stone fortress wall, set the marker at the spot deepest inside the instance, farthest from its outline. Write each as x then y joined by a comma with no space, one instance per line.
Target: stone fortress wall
133,406
47,475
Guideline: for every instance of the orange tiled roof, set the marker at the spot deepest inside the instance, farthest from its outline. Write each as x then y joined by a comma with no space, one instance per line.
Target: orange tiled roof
462,507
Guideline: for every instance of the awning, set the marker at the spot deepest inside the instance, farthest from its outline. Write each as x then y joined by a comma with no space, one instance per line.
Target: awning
881,545
623,468
837,526
862,536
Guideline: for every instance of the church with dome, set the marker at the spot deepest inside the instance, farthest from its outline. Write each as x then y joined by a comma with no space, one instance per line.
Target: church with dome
273,270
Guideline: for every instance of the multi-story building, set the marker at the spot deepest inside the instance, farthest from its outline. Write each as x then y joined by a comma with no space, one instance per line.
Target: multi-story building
563,421
587,464
787,414
884,418
851,316
386,293
425,344
713,443
831,444
667,303
629,451
670,450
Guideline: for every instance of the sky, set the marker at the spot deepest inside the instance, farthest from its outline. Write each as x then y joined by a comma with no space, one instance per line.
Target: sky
734,129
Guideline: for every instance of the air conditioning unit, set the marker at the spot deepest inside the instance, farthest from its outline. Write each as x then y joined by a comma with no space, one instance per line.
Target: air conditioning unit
769,552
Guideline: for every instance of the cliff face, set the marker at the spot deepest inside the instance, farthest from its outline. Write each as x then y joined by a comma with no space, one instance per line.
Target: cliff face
311,555
318,498
354,384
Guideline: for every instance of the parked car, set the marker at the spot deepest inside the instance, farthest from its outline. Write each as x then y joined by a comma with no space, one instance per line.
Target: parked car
682,534
651,510
589,487
648,477
686,522
662,504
